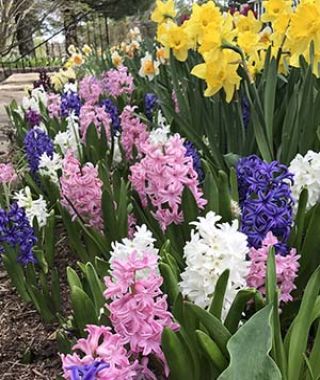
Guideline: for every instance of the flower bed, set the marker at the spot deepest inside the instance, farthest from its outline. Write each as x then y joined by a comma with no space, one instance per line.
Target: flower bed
184,172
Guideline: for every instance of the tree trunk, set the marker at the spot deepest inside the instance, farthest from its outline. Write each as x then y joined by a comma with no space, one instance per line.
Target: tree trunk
70,26
24,36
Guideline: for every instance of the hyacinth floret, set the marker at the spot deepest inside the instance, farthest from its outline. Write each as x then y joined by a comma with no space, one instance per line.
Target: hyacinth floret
96,115
265,199
33,118
16,231
37,142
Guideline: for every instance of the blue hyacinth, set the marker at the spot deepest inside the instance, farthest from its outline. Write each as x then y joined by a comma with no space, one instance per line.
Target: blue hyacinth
192,152
113,112
70,102
246,114
86,372
150,104
265,199
16,231
37,142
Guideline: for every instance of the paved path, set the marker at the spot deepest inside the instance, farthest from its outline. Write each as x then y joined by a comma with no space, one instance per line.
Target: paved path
10,89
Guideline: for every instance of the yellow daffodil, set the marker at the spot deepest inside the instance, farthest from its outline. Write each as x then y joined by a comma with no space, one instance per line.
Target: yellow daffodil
275,8
163,10
176,38
303,29
86,49
71,49
149,67
247,23
116,59
249,42
201,17
220,71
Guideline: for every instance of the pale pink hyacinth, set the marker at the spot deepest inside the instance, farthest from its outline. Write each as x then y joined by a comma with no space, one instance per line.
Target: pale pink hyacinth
90,89
139,309
161,176
8,174
286,268
175,101
134,133
81,191
53,105
103,346
118,82
96,115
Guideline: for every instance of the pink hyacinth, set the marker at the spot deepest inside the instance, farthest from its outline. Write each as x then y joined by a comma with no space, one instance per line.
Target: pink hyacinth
81,191
286,268
138,310
161,176
101,345
96,115
134,132
90,89
117,82
7,174
54,103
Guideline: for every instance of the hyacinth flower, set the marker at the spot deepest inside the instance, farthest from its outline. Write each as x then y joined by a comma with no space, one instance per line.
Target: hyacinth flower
96,115
117,82
286,268
138,308
90,89
113,112
81,191
266,200
16,231
161,176
104,356
36,143
70,103
8,174
151,102
33,118
192,152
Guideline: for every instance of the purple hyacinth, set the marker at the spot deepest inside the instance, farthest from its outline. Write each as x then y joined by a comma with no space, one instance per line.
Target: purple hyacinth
70,102
44,81
37,142
192,152
33,118
113,112
150,104
16,231
265,199
86,372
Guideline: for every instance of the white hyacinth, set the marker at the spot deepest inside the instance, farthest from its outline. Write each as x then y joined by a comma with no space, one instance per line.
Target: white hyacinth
306,171
70,139
70,87
213,249
49,166
38,95
35,209
142,242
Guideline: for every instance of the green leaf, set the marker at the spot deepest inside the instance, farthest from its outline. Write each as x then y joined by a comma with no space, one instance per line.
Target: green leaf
216,330
177,355
170,283
301,326
96,286
212,350
249,349
73,278
224,197
219,293
49,242
236,309
189,206
83,309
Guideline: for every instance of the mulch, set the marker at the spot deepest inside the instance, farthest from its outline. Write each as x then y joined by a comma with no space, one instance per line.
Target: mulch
28,350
